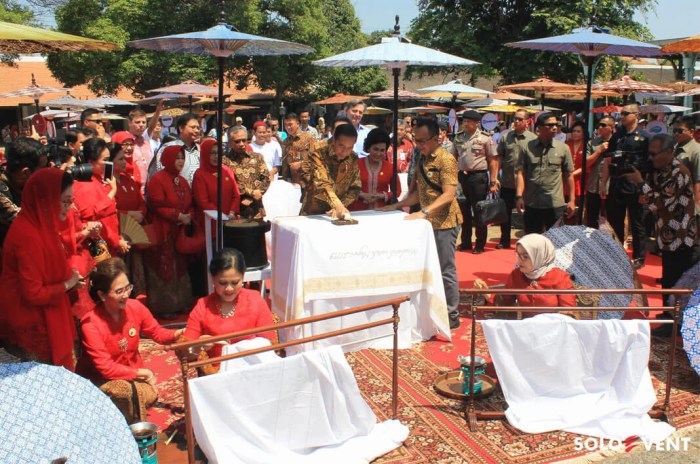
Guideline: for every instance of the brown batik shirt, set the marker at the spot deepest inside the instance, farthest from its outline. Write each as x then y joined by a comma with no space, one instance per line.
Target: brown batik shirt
251,174
296,149
441,168
329,180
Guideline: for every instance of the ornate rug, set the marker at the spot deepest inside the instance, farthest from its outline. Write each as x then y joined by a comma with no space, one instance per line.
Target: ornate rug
439,433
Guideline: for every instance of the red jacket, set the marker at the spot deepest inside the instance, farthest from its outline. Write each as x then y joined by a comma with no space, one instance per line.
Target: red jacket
204,190
112,348
168,197
555,278
94,205
129,196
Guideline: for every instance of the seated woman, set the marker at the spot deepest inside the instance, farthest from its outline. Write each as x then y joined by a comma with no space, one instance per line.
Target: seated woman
231,307
375,172
535,270
111,335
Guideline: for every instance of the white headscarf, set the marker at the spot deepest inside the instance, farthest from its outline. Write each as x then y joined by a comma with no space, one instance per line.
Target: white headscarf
541,252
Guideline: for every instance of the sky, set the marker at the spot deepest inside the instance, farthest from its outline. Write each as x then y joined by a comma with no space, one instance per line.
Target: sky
673,18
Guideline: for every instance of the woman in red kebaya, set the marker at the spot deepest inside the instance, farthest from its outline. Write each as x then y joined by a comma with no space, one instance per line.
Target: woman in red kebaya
576,147
95,199
35,314
110,337
535,269
375,172
204,184
231,307
130,202
169,208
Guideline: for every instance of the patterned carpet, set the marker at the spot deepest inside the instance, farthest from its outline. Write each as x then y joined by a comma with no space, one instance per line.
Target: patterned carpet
438,430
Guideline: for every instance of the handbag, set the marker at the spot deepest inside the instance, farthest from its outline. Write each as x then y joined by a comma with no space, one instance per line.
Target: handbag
490,211
190,239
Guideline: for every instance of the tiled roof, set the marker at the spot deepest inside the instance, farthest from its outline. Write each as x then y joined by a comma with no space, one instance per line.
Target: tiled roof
20,75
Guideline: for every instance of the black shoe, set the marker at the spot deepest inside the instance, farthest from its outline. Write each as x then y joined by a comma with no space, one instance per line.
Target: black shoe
464,247
638,263
658,280
478,251
501,246
454,323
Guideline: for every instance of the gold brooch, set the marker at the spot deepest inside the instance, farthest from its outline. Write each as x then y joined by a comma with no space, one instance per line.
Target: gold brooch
132,332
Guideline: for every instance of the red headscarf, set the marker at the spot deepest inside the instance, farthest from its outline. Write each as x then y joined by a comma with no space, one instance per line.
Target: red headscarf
205,147
167,159
41,203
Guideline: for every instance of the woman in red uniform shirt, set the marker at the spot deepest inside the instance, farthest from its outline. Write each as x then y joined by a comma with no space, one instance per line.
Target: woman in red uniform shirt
375,171
204,184
35,314
169,208
111,334
535,270
231,307
95,199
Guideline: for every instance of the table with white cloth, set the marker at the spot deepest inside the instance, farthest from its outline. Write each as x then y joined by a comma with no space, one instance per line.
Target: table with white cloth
319,267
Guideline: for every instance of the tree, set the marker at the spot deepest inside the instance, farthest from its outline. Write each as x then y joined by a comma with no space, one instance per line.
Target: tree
479,30
310,22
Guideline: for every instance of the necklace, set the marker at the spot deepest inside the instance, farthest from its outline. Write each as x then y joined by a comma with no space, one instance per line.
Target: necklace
228,313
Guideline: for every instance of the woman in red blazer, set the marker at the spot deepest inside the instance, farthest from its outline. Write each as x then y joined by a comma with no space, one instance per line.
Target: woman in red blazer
204,184
170,209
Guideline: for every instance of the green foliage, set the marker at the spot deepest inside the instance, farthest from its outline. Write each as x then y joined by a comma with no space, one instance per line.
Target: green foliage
479,30
329,27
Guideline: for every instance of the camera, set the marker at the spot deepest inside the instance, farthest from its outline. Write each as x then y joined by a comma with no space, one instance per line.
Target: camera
624,162
80,172
58,153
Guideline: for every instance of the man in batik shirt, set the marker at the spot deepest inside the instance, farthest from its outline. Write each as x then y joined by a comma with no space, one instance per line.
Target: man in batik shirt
296,147
251,173
332,175
668,191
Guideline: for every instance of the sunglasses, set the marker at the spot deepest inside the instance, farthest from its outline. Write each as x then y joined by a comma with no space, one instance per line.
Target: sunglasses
626,113
239,140
551,124
602,124
679,131
517,118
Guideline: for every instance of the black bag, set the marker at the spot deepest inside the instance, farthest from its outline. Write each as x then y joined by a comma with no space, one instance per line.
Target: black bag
491,211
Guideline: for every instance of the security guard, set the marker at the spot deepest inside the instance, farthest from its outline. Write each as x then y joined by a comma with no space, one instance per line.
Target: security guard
476,159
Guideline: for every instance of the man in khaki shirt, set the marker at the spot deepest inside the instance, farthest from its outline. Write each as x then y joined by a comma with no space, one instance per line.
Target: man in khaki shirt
435,188
476,159
688,152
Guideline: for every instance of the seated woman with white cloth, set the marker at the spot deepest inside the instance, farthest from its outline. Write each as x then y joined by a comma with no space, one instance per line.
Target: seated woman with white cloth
535,269
231,308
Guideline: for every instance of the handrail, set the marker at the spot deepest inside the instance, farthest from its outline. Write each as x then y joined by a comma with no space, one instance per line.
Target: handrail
573,291
185,365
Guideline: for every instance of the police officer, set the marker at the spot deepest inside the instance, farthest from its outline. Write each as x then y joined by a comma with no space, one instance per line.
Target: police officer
476,159
623,196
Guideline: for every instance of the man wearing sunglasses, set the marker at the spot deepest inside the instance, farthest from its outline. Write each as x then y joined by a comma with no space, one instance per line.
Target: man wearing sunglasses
90,118
543,165
623,196
668,191
596,152
507,156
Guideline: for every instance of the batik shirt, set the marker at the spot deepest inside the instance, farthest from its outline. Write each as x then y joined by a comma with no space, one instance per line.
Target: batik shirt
669,194
251,174
329,180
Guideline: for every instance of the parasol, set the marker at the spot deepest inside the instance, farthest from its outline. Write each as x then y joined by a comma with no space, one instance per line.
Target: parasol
502,108
106,100
388,94
607,109
33,90
661,108
485,102
339,99
627,85
425,109
690,330
541,86
162,96
70,102
232,108
16,38
221,41
49,412
395,52
505,95
596,260
689,49
370,110
188,89
453,89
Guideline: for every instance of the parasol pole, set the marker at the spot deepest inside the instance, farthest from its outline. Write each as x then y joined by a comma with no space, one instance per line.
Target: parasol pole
396,71
588,60
220,157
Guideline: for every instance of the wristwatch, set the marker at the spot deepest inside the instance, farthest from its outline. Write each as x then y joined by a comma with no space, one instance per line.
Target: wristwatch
425,211
518,197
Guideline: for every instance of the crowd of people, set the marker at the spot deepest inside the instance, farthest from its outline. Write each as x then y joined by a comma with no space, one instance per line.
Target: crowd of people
63,211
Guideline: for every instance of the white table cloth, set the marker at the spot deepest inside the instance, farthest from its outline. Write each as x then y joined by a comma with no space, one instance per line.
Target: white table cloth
586,377
301,409
319,267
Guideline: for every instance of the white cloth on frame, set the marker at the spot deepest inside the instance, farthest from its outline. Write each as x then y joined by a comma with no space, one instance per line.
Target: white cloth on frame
586,377
251,360
301,409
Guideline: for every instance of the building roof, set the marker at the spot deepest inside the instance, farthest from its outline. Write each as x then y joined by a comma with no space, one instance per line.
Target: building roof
19,76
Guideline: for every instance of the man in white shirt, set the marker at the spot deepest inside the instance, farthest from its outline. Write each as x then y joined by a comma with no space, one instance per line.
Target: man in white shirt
270,149
304,118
